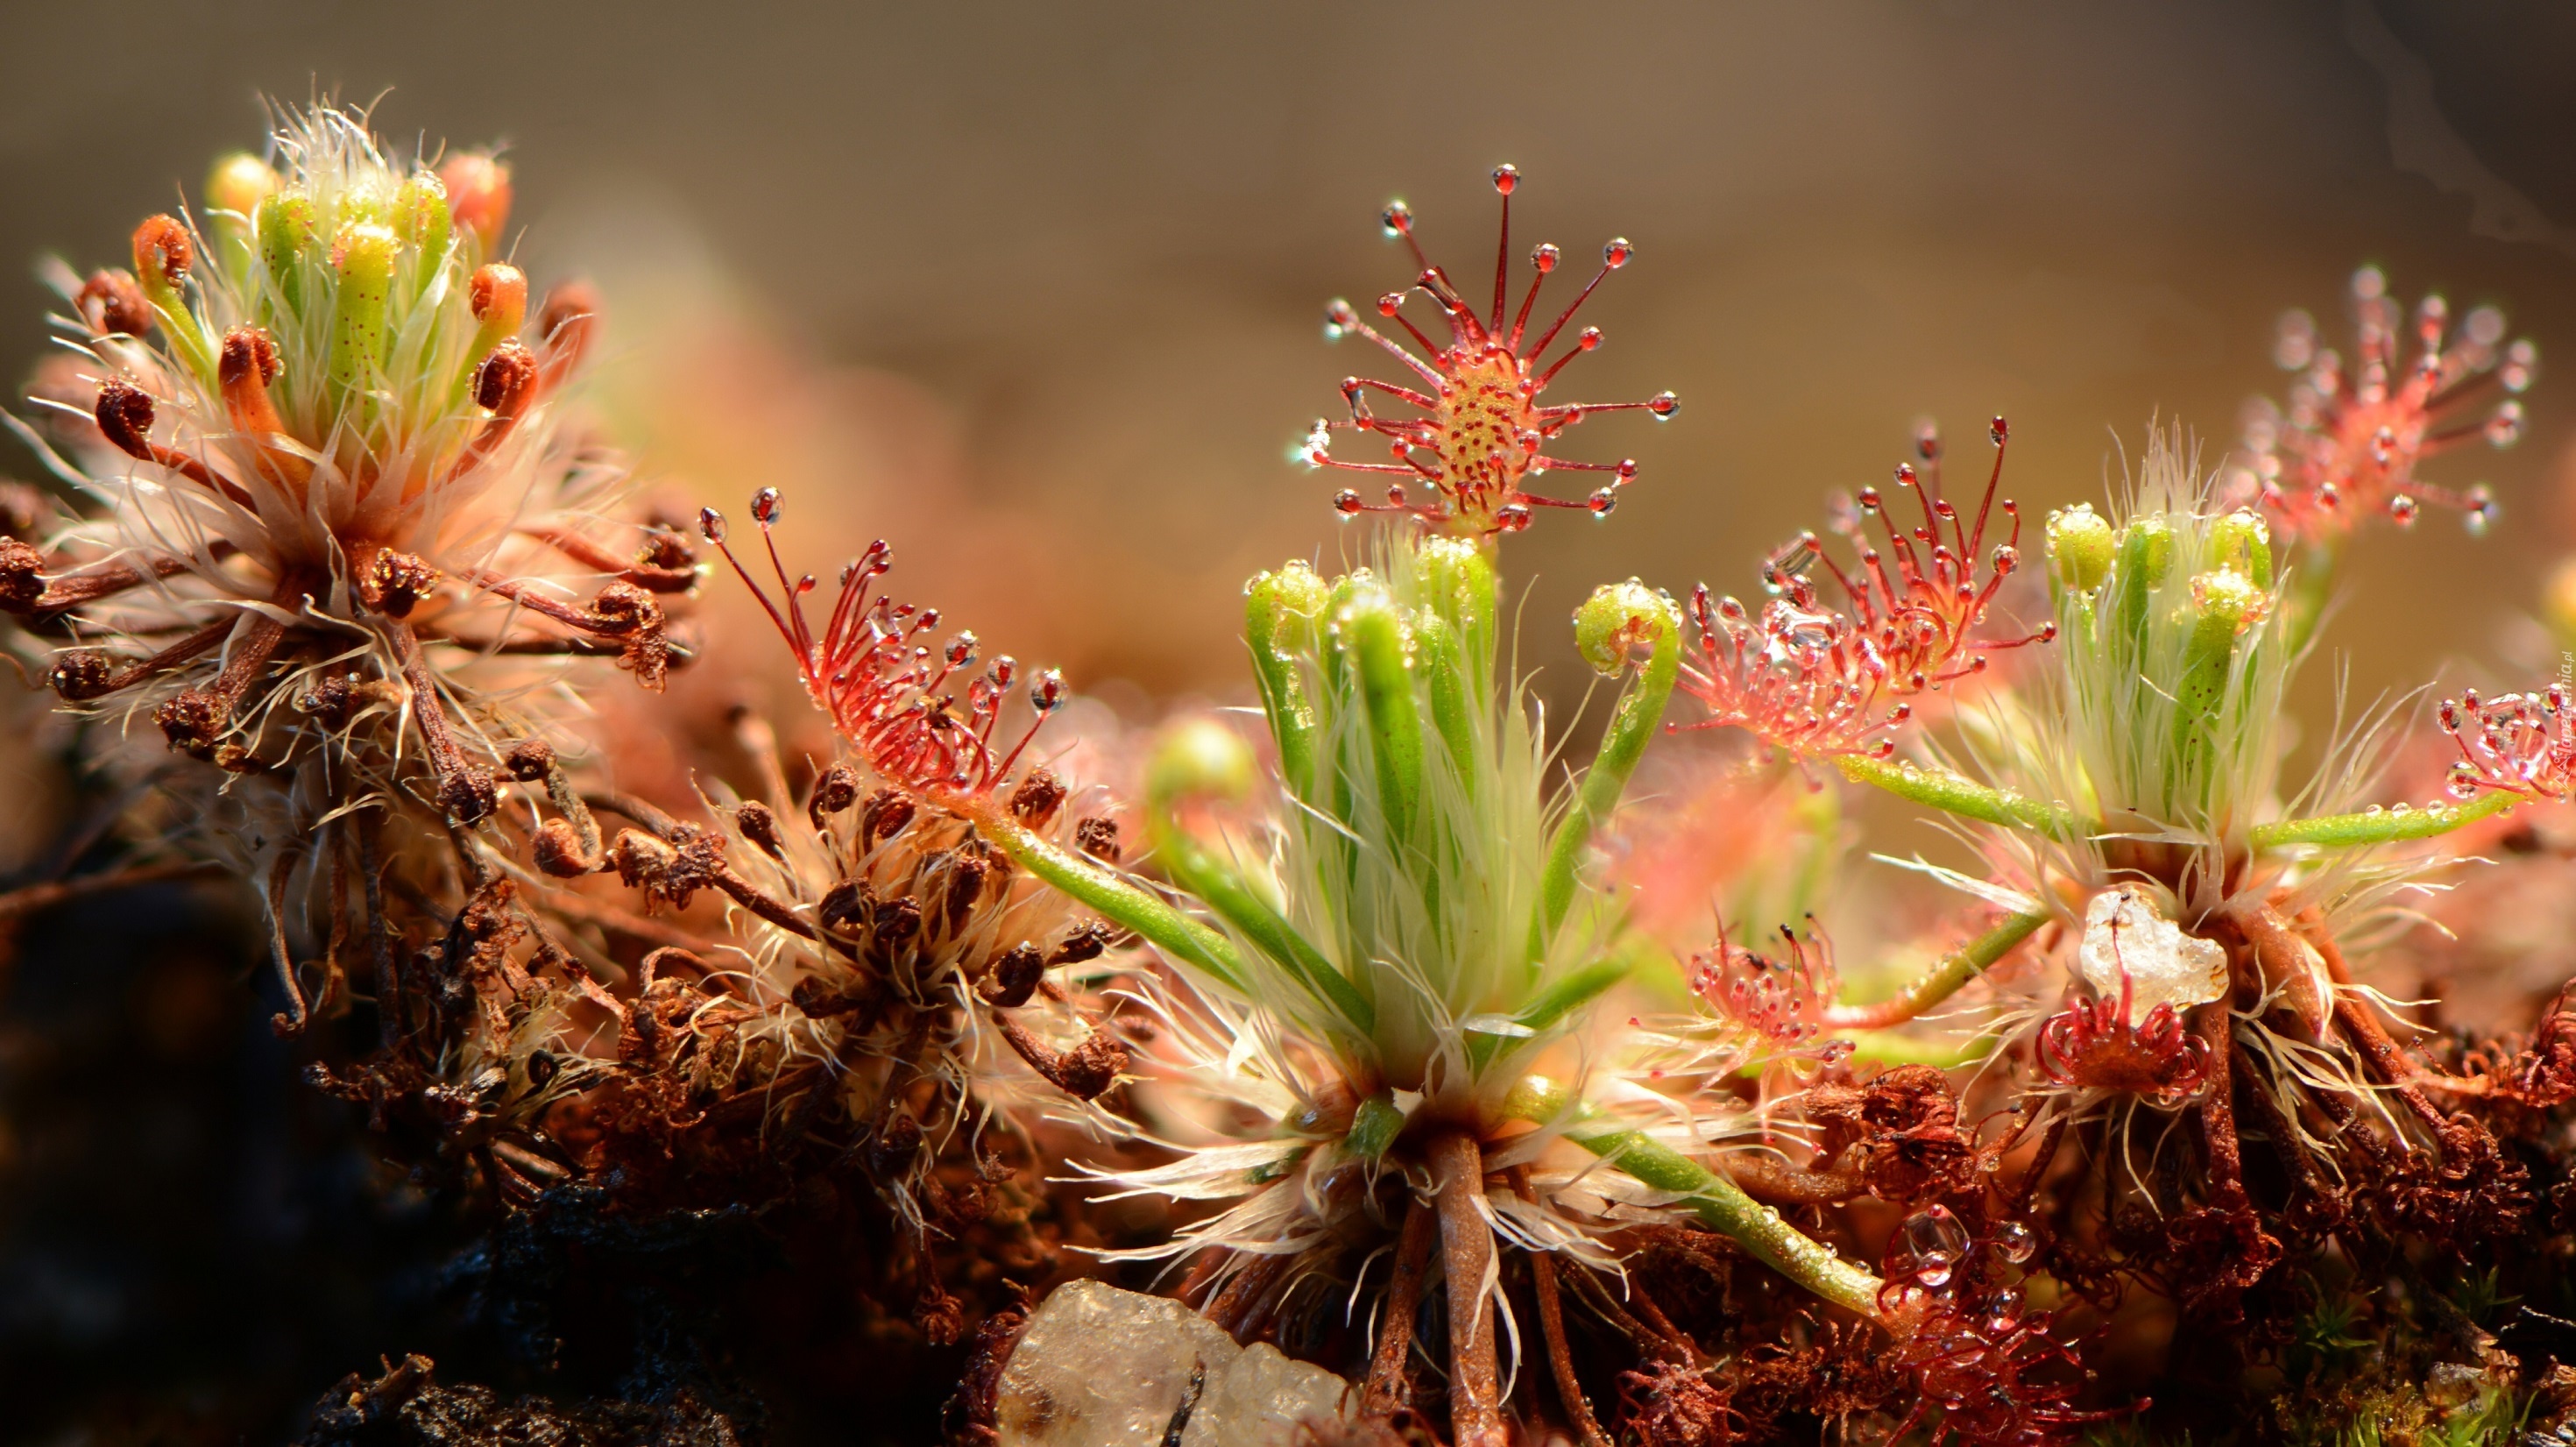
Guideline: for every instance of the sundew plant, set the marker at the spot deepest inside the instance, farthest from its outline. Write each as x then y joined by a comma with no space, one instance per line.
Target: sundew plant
1342,1026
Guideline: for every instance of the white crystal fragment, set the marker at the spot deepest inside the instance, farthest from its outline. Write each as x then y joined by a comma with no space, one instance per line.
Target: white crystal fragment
1101,1367
2124,930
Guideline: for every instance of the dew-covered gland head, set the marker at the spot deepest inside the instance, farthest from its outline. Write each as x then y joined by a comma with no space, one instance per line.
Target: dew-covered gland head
2344,446
1475,434
1826,667
923,712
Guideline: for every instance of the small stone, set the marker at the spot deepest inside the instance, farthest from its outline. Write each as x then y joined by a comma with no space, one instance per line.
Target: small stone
2125,931
1101,1367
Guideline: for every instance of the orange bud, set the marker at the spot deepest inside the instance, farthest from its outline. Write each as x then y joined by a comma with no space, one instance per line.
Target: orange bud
478,196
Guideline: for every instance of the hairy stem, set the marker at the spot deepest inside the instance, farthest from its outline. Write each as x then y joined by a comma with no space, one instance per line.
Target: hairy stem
1116,900
1942,981
1718,1202
2378,826
1632,727
1940,789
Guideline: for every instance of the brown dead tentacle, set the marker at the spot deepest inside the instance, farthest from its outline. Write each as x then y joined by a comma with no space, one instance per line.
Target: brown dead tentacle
125,414
82,674
1082,1072
193,719
665,564
1384,1390
465,789
70,590
1779,1184
1551,1320
1467,1254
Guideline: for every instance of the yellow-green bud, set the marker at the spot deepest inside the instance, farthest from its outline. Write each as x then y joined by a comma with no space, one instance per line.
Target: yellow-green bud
1459,584
239,183
2080,543
1280,608
1616,619
363,255
2240,541
1199,758
2225,603
285,225
420,217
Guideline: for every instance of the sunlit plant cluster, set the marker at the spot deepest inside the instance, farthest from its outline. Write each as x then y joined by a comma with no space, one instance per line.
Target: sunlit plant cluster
1360,983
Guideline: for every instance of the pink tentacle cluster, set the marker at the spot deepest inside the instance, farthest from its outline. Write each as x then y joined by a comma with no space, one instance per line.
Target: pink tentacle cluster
1783,1001
888,692
1817,680
2349,441
1482,434
2518,743
2098,1044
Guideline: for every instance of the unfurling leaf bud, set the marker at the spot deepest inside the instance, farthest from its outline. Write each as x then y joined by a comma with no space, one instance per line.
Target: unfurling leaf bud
1618,619
1459,584
478,196
163,252
2080,543
2225,603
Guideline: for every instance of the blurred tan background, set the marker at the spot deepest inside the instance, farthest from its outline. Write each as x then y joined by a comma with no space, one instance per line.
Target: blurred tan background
1034,290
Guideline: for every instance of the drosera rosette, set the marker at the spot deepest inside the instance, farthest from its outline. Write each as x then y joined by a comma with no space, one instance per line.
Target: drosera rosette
2346,446
924,824
337,511
1831,671
1386,955
2203,912
1483,435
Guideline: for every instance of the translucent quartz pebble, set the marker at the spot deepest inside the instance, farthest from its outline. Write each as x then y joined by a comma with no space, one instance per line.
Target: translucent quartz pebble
1100,1367
2124,930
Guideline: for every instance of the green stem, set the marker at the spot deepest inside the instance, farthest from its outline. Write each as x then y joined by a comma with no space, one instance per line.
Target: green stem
1632,727
1942,981
2379,826
1717,1201
1946,791
1119,902
1219,886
